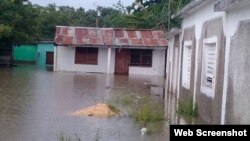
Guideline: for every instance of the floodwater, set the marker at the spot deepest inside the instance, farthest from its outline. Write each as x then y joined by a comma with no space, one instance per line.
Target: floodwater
35,105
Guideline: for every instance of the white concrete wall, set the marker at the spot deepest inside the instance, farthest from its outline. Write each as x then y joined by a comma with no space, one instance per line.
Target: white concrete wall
233,17
66,61
201,16
231,20
158,58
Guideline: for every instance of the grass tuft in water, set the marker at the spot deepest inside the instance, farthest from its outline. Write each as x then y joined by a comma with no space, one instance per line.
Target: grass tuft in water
187,109
141,108
113,108
62,137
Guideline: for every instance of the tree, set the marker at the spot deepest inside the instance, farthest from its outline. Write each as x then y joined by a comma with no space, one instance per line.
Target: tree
18,21
154,13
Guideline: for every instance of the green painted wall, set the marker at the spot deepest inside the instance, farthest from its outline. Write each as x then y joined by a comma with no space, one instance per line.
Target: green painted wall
42,48
25,53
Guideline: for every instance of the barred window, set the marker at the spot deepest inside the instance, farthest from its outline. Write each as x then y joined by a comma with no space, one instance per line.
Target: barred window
209,66
186,65
86,55
141,57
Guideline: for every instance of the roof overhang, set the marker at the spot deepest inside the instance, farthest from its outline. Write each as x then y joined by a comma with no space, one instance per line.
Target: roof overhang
191,7
124,47
226,5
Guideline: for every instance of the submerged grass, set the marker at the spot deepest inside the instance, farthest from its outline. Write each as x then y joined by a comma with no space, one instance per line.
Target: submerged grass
62,137
141,108
114,109
148,113
187,109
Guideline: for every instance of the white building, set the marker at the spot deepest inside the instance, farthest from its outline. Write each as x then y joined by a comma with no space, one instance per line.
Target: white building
109,50
208,60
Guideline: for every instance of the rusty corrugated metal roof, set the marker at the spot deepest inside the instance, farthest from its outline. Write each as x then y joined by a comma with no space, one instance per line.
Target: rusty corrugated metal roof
109,37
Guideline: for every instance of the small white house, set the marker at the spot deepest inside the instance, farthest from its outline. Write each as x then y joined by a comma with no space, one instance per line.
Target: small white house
208,60
109,50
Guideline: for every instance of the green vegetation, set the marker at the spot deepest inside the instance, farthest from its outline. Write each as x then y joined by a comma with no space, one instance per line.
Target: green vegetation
188,109
62,137
141,108
148,113
113,109
23,22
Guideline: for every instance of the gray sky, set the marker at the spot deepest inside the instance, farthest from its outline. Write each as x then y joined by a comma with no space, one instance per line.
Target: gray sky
86,4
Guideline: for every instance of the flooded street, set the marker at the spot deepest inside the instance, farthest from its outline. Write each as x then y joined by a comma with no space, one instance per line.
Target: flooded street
35,105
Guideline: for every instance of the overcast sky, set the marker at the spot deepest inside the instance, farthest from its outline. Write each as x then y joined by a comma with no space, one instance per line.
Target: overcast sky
86,4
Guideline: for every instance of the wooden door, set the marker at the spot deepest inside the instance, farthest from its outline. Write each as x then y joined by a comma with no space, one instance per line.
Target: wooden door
122,59
49,58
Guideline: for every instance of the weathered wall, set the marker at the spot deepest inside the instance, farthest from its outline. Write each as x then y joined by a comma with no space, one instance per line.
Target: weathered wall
210,107
230,103
184,93
65,57
238,97
42,48
158,59
236,93
172,78
25,53
205,21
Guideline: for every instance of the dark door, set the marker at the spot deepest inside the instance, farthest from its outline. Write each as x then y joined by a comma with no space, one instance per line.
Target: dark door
122,58
49,58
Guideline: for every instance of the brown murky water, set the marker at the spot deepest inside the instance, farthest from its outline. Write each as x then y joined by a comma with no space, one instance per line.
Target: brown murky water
34,105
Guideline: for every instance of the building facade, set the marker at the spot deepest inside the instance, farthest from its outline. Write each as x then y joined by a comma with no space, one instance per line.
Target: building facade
207,60
109,50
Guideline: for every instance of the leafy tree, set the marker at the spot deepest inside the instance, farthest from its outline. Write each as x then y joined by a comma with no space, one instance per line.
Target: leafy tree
154,13
24,22
18,21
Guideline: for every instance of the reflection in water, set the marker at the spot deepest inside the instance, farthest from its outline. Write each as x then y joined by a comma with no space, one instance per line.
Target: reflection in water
34,105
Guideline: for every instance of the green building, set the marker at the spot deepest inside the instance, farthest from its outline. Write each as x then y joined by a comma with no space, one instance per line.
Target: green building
45,53
25,54
40,54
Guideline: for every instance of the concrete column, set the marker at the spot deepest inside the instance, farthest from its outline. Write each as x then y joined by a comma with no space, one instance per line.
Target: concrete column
109,61
55,58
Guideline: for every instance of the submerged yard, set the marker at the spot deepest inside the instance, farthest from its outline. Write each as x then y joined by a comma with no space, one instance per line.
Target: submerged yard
36,105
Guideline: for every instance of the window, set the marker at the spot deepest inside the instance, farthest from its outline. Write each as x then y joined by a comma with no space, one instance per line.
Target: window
186,66
208,67
86,55
141,57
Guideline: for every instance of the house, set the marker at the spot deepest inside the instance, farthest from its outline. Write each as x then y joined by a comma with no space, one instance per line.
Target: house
109,50
208,60
45,53
25,54
40,54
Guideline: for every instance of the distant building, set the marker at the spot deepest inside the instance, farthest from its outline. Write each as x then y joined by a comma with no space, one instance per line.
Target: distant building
25,54
40,54
109,50
45,53
208,60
